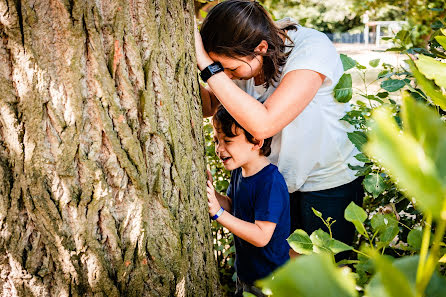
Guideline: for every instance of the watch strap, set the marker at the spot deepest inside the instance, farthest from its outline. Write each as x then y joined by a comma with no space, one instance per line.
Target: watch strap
212,69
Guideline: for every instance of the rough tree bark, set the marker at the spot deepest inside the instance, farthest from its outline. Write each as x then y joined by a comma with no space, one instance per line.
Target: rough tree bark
102,168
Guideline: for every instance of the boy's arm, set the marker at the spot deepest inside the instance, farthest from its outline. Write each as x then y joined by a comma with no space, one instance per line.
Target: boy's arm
257,234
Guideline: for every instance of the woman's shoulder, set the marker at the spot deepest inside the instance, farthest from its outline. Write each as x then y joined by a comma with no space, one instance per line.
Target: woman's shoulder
307,36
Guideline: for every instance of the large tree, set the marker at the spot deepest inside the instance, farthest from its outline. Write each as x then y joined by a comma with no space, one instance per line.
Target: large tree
102,174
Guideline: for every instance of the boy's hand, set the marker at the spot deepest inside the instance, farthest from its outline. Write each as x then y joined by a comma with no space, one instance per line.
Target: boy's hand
213,204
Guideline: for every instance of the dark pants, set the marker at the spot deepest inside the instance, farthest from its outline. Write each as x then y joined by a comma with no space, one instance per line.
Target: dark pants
244,287
331,203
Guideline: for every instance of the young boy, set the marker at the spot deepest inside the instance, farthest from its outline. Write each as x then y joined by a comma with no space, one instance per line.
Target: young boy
257,209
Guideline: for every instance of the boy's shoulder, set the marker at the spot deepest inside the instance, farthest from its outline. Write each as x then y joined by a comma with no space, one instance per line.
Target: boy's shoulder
268,177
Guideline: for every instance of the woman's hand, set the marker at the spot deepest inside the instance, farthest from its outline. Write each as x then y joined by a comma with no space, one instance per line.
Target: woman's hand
213,204
203,59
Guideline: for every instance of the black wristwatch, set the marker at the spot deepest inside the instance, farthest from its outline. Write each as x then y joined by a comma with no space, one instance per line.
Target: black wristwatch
212,69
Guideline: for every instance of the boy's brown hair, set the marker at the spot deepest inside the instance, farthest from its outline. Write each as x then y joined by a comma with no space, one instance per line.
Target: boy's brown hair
224,122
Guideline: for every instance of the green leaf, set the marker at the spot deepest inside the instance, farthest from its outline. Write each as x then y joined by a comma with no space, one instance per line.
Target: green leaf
382,95
407,266
320,240
390,281
337,246
392,85
437,25
386,225
374,184
247,294
347,62
355,214
310,276
343,91
362,158
374,63
428,87
415,157
358,138
414,238
317,213
432,69
300,242
441,40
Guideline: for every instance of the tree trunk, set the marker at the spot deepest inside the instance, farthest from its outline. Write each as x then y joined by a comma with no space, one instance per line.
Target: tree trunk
102,174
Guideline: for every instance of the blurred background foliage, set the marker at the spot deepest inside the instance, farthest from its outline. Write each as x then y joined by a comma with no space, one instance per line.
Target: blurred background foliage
338,16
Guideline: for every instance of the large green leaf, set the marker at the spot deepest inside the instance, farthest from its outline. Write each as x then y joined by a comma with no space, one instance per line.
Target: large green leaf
310,276
407,266
355,214
429,130
343,91
374,184
392,85
432,69
389,281
347,62
300,242
404,158
428,87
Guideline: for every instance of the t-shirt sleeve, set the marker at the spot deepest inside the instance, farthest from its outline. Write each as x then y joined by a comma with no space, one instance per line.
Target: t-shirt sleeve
271,201
315,52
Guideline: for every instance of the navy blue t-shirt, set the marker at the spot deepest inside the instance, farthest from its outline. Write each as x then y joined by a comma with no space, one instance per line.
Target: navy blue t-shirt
263,197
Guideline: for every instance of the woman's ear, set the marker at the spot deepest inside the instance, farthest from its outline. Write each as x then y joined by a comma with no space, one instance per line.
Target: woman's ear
262,47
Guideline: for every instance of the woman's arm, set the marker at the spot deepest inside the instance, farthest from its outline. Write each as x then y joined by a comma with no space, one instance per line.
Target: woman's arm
293,94
209,102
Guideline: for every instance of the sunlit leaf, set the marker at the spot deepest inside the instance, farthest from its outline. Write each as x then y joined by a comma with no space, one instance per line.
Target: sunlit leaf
432,69
310,276
407,160
355,214
300,242
428,87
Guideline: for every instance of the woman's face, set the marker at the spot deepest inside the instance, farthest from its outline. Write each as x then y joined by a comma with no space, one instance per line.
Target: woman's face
239,68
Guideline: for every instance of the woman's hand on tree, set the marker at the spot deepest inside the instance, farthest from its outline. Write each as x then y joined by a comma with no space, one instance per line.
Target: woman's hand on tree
203,59
213,204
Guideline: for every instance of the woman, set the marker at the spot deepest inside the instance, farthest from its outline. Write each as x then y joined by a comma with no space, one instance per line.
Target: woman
278,80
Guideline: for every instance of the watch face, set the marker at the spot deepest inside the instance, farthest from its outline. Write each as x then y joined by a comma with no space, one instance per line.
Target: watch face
214,68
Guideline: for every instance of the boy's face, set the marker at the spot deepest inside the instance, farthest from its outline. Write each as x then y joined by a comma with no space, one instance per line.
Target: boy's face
235,151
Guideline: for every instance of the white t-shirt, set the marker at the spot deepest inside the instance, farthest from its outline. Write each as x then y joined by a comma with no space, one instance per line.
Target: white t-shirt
313,151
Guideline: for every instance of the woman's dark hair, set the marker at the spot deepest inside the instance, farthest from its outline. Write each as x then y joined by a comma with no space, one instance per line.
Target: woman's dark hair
224,122
234,28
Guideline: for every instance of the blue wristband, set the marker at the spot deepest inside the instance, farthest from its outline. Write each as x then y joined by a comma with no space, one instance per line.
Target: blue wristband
218,214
